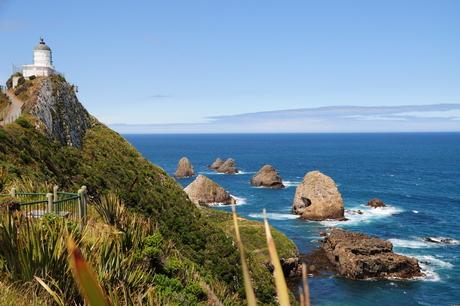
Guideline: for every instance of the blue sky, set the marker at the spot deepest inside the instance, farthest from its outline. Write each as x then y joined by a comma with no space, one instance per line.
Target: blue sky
249,66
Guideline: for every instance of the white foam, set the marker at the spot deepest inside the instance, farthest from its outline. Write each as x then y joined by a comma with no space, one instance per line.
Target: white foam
411,244
274,216
238,200
434,261
291,183
431,276
368,215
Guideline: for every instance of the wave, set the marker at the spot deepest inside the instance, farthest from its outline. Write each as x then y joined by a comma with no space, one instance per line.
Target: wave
433,261
367,215
411,244
291,183
421,243
274,216
239,201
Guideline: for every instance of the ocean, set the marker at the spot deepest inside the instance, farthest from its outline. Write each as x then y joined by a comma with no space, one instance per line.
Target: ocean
417,175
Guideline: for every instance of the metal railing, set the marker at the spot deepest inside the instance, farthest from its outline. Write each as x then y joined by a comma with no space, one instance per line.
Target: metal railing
66,204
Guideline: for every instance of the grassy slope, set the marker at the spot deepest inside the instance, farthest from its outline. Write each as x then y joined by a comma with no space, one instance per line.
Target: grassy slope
108,162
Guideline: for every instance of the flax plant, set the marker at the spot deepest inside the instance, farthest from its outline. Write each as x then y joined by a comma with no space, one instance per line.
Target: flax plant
36,248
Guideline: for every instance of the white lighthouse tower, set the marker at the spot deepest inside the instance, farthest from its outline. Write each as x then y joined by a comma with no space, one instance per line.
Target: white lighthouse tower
43,63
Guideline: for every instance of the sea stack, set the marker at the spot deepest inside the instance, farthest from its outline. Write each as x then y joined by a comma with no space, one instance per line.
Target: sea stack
358,256
229,167
317,199
268,176
184,169
204,190
216,164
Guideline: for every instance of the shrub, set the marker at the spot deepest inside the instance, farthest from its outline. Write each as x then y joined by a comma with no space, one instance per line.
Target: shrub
196,290
24,123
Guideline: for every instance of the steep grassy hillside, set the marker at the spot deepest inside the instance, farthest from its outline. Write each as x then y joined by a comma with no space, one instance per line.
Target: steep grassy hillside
31,158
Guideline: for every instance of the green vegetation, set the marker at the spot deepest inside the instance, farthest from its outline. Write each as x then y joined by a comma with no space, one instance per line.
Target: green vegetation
145,237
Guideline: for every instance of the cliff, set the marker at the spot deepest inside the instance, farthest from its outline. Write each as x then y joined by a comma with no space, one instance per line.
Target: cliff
56,142
59,111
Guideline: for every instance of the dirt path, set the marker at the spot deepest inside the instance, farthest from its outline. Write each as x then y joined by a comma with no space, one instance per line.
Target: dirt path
15,109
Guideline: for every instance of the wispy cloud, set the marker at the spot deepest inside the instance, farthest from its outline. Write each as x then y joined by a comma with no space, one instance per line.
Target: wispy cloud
160,96
332,119
152,39
12,25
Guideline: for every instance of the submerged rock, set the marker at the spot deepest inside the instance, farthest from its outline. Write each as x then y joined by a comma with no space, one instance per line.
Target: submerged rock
216,164
375,203
358,256
229,167
204,190
317,198
184,169
441,240
267,177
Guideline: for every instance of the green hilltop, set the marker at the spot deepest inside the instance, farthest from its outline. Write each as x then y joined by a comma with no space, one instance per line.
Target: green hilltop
185,255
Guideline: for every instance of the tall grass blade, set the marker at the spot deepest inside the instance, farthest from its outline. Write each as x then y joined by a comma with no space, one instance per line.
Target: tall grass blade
250,296
55,296
306,292
89,286
280,282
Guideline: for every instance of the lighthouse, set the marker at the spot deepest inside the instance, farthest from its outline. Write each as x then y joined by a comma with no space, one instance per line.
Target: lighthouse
42,62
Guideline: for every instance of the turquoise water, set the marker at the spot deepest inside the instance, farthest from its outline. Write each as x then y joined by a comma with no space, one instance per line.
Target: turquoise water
417,175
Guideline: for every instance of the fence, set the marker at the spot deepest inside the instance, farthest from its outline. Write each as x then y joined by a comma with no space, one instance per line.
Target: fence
5,112
66,204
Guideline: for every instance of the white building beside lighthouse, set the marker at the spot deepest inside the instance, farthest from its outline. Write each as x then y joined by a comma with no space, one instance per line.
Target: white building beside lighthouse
42,62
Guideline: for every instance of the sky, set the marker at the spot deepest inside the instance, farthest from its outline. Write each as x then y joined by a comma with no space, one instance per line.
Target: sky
249,66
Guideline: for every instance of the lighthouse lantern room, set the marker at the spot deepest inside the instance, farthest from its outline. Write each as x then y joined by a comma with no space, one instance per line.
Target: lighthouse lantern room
42,62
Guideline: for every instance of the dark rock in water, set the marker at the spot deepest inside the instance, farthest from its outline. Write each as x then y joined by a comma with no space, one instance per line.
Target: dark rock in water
216,164
354,212
267,177
318,264
184,169
441,240
358,256
375,203
228,167
291,267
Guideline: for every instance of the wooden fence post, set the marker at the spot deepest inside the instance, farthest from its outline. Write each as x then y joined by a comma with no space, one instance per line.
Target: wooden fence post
85,201
49,207
81,205
55,190
13,192
55,198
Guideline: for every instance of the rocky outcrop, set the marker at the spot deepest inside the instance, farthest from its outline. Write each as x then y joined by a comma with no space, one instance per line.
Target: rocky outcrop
63,116
291,267
229,167
375,203
317,198
216,164
267,177
358,256
204,190
184,169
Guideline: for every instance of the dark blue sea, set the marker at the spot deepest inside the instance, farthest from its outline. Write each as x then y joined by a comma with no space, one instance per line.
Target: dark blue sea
417,175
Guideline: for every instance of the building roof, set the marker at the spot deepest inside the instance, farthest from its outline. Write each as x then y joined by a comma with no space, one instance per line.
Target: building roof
42,46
